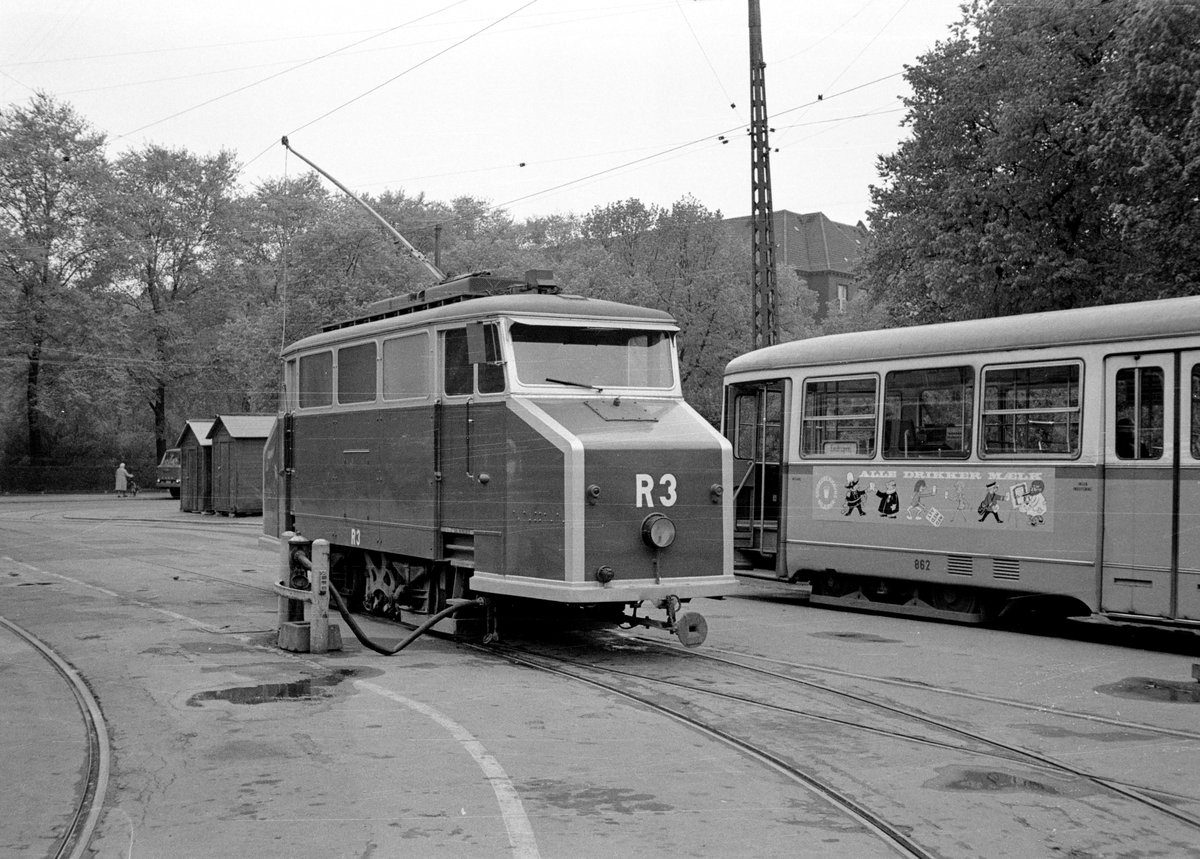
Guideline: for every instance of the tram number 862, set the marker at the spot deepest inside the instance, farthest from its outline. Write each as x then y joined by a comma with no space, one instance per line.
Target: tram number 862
921,564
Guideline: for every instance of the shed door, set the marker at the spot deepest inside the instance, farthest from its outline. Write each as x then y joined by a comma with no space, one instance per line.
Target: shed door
223,489
1141,485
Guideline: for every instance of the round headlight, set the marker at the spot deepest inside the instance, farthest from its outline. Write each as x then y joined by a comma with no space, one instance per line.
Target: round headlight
658,531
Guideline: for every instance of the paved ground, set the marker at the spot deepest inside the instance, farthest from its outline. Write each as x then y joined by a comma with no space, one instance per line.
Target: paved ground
223,745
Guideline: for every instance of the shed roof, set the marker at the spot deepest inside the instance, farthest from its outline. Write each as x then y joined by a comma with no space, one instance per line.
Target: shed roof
243,426
199,428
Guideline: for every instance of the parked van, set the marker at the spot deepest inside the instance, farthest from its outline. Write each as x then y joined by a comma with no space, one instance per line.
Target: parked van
168,472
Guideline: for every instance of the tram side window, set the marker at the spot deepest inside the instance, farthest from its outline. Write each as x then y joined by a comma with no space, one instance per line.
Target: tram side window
406,367
459,372
490,377
1031,410
1196,411
1139,412
928,413
839,418
316,380
356,374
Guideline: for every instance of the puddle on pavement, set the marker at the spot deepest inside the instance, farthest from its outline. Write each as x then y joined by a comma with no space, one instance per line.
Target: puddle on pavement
594,800
212,647
265,693
1149,689
856,636
998,781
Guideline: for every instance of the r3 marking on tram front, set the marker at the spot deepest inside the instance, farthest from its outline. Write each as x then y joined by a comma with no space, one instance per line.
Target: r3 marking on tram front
645,486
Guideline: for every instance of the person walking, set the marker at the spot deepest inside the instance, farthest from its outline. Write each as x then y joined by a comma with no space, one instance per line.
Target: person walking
123,477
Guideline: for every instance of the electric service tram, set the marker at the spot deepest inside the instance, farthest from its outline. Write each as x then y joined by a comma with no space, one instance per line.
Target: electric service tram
490,437
970,467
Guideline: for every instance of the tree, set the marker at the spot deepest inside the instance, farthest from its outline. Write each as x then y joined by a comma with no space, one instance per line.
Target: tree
1052,163
683,260
52,180
172,222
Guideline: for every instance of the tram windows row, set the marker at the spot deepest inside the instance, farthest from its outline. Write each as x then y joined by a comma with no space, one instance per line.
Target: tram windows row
930,413
401,368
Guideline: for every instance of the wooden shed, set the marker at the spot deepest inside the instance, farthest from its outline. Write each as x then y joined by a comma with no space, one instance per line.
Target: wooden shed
195,467
237,463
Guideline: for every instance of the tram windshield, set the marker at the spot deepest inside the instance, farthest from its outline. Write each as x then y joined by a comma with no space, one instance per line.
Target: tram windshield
593,358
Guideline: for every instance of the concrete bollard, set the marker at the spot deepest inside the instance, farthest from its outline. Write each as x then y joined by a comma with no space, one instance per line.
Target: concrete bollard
316,634
285,575
318,584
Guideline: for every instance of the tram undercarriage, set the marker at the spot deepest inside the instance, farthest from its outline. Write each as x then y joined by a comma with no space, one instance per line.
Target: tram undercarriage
940,601
410,590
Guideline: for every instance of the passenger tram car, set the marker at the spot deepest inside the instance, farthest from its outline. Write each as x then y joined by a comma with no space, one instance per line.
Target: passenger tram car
491,437
971,467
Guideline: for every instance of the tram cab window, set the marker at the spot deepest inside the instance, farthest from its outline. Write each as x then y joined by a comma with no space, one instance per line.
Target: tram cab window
356,374
587,357
928,413
1031,410
1139,413
406,367
839,418
459,374
316,380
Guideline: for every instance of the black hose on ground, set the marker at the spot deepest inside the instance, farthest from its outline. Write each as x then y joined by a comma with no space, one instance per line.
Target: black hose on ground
455,606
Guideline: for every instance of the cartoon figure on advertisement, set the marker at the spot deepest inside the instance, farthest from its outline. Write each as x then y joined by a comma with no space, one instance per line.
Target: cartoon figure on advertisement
854,497
990,505
959,496
889,500
1033,503
916,510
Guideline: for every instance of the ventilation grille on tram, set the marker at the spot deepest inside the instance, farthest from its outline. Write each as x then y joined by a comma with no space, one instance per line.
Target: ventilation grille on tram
960,565
1006,568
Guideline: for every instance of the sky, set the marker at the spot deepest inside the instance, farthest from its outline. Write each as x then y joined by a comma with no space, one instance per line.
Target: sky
538,107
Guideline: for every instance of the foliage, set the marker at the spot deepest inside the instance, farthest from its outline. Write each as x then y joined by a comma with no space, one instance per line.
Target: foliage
172,225
52,183
153,290
1052,163
683,260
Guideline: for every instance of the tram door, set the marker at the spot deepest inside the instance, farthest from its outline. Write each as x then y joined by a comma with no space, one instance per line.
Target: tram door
754,426
1142,545
1187,590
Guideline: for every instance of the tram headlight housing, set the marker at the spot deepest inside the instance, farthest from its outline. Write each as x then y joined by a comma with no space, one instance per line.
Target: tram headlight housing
658,532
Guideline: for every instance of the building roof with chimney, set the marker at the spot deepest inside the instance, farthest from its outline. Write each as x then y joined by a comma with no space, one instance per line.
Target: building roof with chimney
812,242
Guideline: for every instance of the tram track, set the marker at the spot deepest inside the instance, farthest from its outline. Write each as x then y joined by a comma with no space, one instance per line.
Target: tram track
82,821
1017,753
1040,709
843,802
973,743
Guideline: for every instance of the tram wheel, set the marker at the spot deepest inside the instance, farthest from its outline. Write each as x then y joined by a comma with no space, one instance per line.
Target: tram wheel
956,599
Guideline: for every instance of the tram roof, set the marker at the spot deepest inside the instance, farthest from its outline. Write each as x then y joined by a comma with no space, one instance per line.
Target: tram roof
546,306
1136,321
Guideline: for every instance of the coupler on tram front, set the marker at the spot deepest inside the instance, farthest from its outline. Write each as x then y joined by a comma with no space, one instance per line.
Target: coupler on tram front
491,444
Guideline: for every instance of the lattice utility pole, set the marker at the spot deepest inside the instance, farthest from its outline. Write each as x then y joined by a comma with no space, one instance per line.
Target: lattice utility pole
762,219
